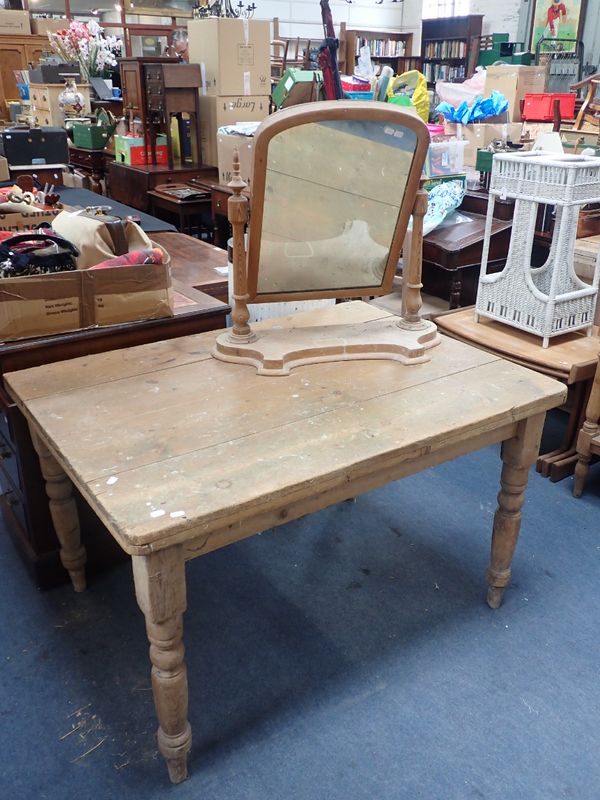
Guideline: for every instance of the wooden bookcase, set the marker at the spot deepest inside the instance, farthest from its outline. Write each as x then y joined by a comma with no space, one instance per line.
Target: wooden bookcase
394,49
446,45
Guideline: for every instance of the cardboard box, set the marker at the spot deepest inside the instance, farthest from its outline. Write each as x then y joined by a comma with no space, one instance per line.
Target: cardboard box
215,112
133,150
226,144
42,305
480,134
4,173
234,55
23,221
514,82
44,26
13,23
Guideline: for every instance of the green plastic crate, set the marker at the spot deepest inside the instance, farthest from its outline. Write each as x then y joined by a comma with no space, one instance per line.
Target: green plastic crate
92,137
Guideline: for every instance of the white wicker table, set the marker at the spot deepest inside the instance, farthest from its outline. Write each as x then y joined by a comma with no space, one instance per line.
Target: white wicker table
550,300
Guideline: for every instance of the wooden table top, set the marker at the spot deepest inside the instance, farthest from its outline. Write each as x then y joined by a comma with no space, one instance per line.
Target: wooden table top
173,446
196,263
571,357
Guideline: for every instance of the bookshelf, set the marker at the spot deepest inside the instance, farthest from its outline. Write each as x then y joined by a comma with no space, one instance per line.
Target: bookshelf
446,45
394,49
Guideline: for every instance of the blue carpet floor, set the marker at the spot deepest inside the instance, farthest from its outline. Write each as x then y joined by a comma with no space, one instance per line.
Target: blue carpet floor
345,656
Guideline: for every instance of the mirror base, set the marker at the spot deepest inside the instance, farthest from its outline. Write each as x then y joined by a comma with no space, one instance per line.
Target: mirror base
276,351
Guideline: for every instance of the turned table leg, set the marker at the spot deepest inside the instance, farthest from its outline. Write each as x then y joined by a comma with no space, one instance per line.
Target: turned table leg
160,591
518,454
588,432
63,512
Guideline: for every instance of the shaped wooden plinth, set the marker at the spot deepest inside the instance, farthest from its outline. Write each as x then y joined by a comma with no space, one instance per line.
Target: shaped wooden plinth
278,350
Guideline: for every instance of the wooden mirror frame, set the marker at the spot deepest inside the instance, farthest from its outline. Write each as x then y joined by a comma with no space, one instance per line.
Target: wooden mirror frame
330,111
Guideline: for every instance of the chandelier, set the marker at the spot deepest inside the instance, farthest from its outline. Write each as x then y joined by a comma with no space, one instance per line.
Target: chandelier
223,8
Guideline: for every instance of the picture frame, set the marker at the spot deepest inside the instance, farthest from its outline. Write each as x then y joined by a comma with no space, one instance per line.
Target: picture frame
556,19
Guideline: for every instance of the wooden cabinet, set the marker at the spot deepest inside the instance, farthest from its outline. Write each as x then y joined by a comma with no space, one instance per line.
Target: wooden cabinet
130,185
133,86
17,52
172,91
446,45
44,103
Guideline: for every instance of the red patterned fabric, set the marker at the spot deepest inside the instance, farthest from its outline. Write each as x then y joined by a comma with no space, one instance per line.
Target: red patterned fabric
154,256
4,235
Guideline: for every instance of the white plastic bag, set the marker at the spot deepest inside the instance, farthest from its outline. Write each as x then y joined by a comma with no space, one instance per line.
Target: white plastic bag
455,93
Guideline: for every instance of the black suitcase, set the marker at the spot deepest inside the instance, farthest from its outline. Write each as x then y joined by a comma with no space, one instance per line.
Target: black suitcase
36,146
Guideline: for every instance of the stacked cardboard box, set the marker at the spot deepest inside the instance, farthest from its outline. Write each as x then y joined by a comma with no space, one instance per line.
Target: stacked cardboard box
514,82
234,58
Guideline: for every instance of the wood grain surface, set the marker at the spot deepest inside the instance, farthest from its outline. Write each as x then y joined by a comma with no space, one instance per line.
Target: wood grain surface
172,444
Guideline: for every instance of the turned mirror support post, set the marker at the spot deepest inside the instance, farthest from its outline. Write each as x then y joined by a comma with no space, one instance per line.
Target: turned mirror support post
237,213
413,264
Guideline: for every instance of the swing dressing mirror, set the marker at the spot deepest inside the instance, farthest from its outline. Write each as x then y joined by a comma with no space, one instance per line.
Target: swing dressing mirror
333,188
332,192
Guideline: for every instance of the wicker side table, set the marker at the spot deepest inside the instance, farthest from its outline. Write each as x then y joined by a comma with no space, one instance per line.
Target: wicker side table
549,300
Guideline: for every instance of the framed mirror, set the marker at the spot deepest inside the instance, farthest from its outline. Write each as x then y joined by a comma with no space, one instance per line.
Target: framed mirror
332,192
333,187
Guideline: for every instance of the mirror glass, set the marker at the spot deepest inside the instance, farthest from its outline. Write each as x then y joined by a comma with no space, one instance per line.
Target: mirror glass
333,193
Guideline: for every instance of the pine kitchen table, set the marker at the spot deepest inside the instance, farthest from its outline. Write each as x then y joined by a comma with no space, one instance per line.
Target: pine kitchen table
180,454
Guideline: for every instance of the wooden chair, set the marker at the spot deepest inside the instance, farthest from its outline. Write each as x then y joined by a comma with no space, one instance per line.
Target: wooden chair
333,187
589,113
588,441
298,53
279,48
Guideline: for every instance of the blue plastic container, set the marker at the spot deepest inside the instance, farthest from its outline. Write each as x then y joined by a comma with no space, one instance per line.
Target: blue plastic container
23,90
359,95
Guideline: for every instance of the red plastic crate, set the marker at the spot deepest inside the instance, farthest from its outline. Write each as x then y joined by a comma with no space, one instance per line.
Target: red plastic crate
540,107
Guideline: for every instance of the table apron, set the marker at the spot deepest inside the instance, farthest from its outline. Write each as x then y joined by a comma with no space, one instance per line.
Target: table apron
294,508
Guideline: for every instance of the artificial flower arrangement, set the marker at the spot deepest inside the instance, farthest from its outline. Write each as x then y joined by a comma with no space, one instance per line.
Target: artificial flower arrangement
86,43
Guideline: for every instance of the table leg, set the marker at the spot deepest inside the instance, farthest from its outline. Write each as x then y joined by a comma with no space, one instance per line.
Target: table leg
160,591
63,511
518,454
455,290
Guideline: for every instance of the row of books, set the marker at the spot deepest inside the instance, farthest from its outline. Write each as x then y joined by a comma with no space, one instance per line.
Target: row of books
444,72
449,48
381,47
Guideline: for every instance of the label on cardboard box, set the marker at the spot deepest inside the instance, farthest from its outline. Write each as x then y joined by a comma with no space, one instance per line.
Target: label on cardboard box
39,305
246,55
216,112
